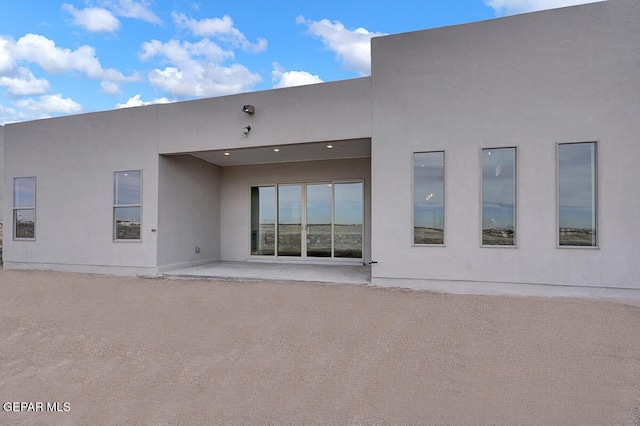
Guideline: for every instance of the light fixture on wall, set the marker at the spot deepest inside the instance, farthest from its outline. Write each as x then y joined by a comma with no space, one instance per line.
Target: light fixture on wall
227,153
276,149
249,109
245,131
329,146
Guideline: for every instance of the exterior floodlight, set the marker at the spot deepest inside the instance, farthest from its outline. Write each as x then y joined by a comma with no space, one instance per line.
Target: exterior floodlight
249,109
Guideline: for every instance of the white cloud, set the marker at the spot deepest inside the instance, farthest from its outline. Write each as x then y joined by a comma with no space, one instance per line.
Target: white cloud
94,19
136,101
18,80
7,62
352,47
195,69
50,104
283,78
110,88
177,52
44,52
510,7
135,10
37,49
24,83
10,115
220,28
104,20
204,79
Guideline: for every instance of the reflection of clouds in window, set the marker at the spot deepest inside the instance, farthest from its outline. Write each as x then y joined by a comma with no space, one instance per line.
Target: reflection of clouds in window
348,199
24,192
24,203
498,188
267,204
289,204
319,203
128,187
127,205
25,216
428,190
577,194
576,185
128,214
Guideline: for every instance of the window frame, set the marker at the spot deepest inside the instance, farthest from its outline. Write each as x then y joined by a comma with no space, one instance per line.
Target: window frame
304,185
118,206
444,198
515,198
596,193
16,208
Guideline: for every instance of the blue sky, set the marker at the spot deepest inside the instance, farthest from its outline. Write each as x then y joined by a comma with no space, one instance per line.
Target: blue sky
75,56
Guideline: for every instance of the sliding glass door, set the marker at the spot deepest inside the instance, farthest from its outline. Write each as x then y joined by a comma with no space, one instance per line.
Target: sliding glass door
313,220
347,220
319,219
290,220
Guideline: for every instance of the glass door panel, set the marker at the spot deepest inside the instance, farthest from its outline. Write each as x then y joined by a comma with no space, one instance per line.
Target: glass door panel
290,220
319,219
348,220
263,220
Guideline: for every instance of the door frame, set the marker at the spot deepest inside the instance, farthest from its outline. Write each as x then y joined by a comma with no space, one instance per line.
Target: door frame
303,232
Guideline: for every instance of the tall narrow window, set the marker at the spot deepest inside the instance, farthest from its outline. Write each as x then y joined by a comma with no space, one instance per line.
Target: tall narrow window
263,220
24,208
499,197
127,205
428,197
577,204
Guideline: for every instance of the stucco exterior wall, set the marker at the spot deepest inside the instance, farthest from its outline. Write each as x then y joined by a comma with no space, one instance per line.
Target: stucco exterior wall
236,196
1,174
529,81
321,112
74,160
188,211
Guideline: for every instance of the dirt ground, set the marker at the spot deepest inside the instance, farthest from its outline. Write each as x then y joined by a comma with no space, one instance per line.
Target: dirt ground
135,351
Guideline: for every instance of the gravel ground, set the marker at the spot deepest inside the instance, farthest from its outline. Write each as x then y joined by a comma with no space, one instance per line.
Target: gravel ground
179,352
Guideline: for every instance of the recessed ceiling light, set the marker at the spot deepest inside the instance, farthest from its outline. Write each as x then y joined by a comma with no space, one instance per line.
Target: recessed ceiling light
227,153
276,149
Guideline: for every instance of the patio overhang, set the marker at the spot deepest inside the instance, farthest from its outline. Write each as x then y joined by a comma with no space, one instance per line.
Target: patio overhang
286,153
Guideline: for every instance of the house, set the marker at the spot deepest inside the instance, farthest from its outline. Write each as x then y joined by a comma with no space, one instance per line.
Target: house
493,157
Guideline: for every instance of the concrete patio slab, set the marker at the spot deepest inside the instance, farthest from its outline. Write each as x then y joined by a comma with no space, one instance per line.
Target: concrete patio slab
343,274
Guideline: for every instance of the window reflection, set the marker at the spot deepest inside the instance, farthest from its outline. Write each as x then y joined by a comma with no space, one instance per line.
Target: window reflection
289,220
127,208
348,220
263,220
128,187
428,197
498,196
577,164
24,192
127,223
319,217
332,226
24,208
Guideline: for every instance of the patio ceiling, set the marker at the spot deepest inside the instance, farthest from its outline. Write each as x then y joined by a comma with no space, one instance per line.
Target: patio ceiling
354,148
